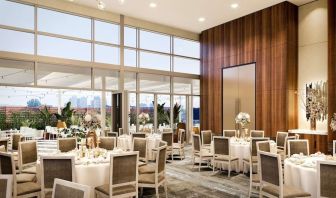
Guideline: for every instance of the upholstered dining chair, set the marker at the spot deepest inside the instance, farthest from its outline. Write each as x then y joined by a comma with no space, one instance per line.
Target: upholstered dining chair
253,159
271,178
257,134
6,183
158,178
16,138
66,144
20,190
4,142
284,153
222,154
27,157
141,145
52,167
138,135
264,146
326,179
123,182
229,133
108,143
206,138
198,151
168,138
63,188
179,146
112,134
298,147
280,140
334,148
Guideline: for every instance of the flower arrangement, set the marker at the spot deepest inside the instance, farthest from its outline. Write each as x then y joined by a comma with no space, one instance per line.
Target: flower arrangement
73,132
333,122
143,118
243,119
91,122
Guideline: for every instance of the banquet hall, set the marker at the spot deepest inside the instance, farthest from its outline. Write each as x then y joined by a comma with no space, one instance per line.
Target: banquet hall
167,98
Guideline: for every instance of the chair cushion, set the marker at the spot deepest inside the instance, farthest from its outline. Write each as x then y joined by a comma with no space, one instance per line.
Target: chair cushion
149,178
24,177
254,159
148,168
255,178
2,148
177,146
140,163
30,170
116,190
289,192
27,188
225,158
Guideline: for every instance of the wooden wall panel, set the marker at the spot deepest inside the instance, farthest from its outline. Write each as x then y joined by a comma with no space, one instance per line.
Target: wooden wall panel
269,38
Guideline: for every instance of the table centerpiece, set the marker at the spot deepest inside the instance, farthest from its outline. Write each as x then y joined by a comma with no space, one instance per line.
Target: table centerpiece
243,119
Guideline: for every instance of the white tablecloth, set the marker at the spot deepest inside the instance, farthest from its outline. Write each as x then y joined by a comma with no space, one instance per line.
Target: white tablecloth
241,150
302,174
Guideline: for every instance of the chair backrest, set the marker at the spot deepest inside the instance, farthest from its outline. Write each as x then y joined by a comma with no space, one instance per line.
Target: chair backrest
264,146
297,147
334,148
16,138
141,144
257,134
161,159
281,138
52,167
4,142
138,135
167,137
6,182
66,144
297,136
2,148
206,137
162,143
167,130
326,179
63,188
270,169
112,134
221,145
286,143
196,142
253,146
27,153
229,133
108,143
181,137
7,165
121,131
106,131
124,170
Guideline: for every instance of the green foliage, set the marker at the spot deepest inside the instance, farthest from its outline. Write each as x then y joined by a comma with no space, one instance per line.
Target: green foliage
176,112
45,116
133,116
34,103
3,124
66,114
76,120
162,115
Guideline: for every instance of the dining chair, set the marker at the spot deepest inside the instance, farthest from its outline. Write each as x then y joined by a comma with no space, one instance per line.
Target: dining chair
271,178
112,134
167,130
27,157
52,167
138,135
168,138
264,146
6,183
108,143
63,188
253,159
280,140
121,132
179,146
257,134
16,138
141,145
198,151
284,153
123,182
20,190
4,142
326,178
297,136
206,138
106,132
222,154
334,148
229,133
158,178
66,144
2,148
298,147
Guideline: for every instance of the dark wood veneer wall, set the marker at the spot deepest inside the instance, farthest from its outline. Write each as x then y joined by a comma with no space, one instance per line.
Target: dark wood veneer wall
268,37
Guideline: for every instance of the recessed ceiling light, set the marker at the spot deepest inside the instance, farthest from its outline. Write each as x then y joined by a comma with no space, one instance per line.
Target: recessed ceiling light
101,5
152,5
201,19
234,5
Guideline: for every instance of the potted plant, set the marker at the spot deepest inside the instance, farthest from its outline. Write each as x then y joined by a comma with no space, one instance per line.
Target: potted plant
64,119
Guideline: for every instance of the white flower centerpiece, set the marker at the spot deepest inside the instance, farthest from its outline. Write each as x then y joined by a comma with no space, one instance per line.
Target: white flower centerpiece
92,124
243,119
333,122
143,118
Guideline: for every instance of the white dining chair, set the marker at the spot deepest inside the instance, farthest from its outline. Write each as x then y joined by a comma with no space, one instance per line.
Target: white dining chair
63,188
326,179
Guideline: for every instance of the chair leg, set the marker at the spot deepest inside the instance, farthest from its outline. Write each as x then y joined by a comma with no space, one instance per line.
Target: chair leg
213,166
166,189
229,169
250,188
199,165
157,191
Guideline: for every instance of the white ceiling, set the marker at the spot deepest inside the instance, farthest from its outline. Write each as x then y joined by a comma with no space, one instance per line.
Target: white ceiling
184,14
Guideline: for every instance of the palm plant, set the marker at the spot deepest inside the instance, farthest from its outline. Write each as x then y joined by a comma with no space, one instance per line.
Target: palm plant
45,115
66,114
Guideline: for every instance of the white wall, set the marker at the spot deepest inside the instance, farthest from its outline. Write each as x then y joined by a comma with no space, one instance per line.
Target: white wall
313,52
